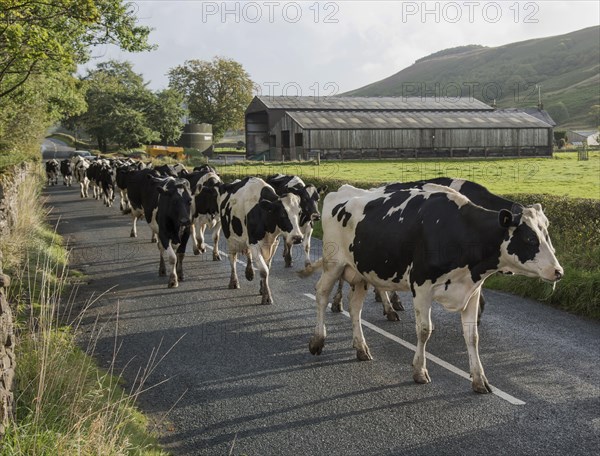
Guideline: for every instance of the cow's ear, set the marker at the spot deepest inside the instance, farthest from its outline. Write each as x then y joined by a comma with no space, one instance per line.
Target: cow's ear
538,207
505,218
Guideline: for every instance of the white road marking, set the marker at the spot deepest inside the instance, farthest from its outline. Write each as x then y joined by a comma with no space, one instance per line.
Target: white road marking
434,359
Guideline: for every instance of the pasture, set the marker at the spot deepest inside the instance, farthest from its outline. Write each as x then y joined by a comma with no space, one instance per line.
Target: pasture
562,175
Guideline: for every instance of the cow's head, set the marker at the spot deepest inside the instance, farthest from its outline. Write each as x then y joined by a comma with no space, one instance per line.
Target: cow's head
177,191
285,213
527,249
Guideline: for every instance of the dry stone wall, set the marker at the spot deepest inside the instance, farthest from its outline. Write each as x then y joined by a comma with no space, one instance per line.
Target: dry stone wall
10,182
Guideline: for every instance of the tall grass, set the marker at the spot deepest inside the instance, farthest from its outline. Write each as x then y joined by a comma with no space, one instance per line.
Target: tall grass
65,404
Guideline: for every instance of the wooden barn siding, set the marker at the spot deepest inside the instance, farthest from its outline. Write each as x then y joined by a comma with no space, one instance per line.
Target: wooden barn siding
422,138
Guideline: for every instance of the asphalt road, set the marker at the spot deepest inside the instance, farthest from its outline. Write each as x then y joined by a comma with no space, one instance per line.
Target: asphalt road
237,377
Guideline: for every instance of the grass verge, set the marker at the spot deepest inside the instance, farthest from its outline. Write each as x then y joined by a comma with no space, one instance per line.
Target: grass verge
65,404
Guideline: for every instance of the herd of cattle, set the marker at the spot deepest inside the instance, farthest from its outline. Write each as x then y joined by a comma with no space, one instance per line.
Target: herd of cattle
439,239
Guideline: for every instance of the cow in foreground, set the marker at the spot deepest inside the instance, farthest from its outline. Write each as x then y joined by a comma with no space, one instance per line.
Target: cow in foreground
172,221
309,200
79,165
434,242
478,195
252,218
52,171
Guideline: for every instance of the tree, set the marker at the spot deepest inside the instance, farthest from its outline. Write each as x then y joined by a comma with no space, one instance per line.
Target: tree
216,92
166,115
118,106
52,36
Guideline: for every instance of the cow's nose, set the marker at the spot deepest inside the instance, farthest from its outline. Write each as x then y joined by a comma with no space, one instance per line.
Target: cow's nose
558,274
297,239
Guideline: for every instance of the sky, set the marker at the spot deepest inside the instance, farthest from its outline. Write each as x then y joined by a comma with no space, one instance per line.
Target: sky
326,48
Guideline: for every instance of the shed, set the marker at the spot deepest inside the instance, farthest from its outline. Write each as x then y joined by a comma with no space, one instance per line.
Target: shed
291,128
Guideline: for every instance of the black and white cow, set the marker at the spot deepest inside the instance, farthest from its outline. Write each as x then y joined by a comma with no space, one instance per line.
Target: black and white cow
121,181
52,171
204,182
107,180
434,242
142,195
309,201
172,218
80,166
478,195
66,171
252,218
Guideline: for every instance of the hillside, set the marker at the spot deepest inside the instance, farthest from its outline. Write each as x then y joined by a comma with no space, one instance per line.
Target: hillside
566,66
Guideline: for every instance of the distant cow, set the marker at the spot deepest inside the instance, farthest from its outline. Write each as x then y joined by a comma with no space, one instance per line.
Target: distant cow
172,220
52,171
434,242
309,200
79,165
252,218
66,171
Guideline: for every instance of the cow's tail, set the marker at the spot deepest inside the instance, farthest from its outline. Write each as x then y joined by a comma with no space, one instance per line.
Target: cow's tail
311,268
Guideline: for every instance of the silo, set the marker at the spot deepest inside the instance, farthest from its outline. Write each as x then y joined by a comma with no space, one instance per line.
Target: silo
197,136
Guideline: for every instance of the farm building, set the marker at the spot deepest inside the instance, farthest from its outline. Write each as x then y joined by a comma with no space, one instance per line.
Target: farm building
578,138
291,128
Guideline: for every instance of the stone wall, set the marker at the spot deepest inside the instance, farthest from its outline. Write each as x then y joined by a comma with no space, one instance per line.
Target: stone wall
10,182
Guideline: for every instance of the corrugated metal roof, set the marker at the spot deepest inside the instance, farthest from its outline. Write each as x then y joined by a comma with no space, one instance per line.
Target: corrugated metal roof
372,103
344,120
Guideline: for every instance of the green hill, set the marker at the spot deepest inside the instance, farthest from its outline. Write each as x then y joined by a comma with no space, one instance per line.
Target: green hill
567,67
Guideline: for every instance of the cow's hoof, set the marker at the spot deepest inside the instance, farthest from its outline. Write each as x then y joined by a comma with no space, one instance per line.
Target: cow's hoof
396,303
196,251
267,299
234,285
173,283
181,277
250,274
153,240
392,316
481,385
307,264
336,306
421,376
316,345
363,354
132,234
216,256
162,273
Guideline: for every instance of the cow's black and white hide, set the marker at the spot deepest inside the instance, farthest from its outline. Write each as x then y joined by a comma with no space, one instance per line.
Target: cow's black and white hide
309,205
52,171
80,166
66,171
204,182
252,218
433,242
121,181
142,195
478,195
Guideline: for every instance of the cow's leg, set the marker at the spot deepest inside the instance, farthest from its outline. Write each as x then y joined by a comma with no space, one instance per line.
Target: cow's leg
395,300
357,298
336,304
388,311
422,305
173,282
216,233
179,270
193,230
263,269
233,281
323,290
162,269
249,268
181,253
199,237
287,254
134,225
471,335
306,246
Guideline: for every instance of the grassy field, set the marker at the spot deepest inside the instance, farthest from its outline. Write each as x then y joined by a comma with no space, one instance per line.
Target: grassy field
562,175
